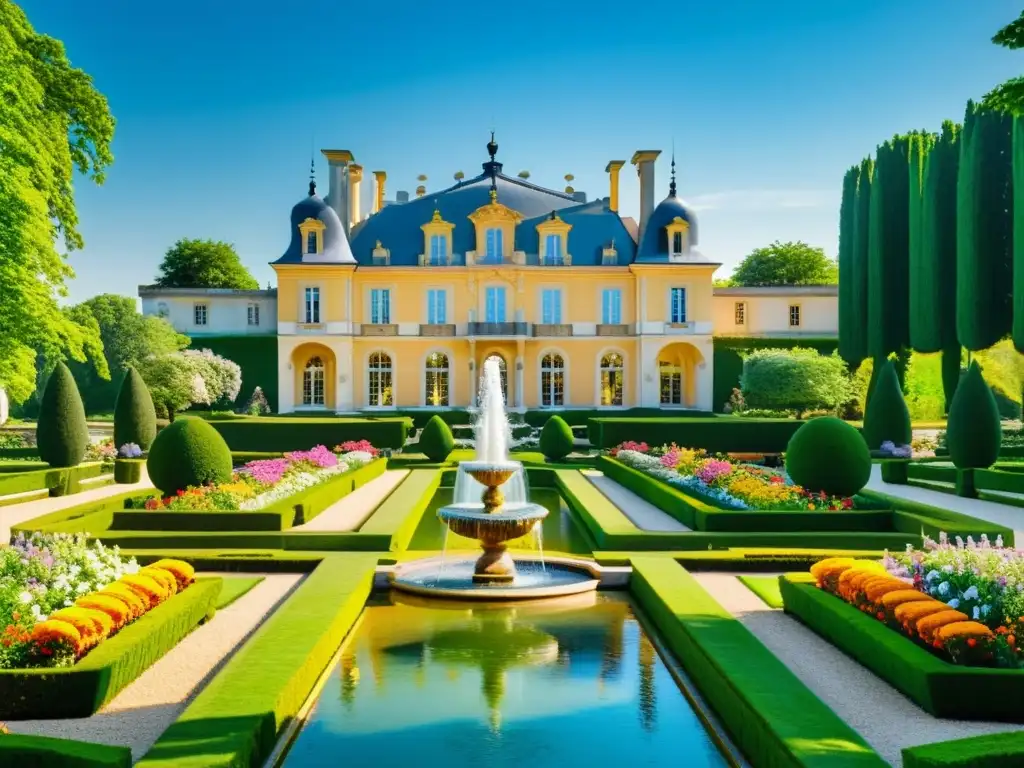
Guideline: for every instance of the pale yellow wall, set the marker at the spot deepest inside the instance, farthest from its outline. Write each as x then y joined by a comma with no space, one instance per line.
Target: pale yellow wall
769,315
657,282
582,358
292,281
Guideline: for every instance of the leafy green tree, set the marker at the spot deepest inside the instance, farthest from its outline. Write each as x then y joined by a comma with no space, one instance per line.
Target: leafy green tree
204,264
786,264
52,122
194,377
794,379
1009,97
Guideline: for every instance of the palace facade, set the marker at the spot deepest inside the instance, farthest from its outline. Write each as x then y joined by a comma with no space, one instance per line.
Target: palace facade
583,308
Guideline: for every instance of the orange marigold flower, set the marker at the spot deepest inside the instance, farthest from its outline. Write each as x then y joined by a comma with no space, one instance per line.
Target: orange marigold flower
908,614
973,630
149,589
831,566
51,632
1012,640
93,626
184,573
874,589
927,626
127,596
114,607
893,599
165,578
851,579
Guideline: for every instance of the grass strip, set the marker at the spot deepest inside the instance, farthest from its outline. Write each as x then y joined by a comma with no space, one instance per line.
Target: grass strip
765,587
400,513
772,716
235,720
46,752
234,587
601,518
998,750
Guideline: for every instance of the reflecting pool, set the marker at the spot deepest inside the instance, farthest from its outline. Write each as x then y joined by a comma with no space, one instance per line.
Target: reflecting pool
565,682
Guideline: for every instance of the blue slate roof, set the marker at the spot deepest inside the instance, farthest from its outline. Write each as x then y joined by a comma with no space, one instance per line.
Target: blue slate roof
594,225
653,245
336,247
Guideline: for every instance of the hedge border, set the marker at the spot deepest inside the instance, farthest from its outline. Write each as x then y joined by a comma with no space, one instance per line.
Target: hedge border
717,434
81,690
128,471
236,719
67,479
770,714
938,687
47,752
996,750
290,433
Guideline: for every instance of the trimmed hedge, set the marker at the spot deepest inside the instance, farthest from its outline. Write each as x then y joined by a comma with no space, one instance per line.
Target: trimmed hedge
938,687
436,440
62,434
721,434
894,471
81,690
997,750
236,719
45,752
64,480
601,518
285,433
400,513
128,471
828,455
973,431
134,414
188,452
556,441
769,713
887,416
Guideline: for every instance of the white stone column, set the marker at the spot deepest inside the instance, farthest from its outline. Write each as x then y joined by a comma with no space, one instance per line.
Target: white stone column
704,390
519,383
285,375
344,387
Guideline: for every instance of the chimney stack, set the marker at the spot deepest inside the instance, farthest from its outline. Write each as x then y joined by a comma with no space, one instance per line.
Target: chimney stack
338,161
612,169
355,178
644,159
379,177
401,197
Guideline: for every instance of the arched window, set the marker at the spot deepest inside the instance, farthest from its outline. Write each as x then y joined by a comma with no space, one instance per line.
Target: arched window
612,374
436,380
670,376
313,382
552,381
503,369
380,392
311,242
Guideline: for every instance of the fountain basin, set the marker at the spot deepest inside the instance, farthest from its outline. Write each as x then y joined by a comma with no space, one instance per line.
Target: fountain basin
511,521
534,579
491,473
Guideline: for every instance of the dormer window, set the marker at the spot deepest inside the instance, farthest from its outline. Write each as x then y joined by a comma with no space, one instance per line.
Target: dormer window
678,232
437,241
495,226
553,250
677,243
494,250
553,234
438,250
312,233
312,246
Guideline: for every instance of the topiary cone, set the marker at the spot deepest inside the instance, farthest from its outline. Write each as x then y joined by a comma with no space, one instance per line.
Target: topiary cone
973,431
436,439
887,416
828,455
61,432
134,414
188,452
556,441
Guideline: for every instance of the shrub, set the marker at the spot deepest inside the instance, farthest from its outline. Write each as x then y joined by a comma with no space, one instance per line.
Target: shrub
436,439
828,455
973,432
794,379
134,414
188,452
556,439
887,417
257,404
61,433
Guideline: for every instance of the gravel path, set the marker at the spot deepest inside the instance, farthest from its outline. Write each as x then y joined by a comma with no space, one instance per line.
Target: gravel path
349,513
886,719
142,712
641,513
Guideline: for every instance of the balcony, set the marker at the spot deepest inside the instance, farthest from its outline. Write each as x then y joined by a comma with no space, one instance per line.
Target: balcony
476,259
552,329
614,329
379,329
310,327
499,329
437,329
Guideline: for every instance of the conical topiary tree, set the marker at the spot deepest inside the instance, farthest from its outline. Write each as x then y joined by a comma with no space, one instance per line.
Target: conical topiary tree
61,432
436,440
887,417
134,414
973,431
556,440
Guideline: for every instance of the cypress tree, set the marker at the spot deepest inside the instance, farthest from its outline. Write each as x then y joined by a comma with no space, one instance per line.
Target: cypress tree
856,344
1018,232
920,276
134,414
851,304
61,431
984,245
974,432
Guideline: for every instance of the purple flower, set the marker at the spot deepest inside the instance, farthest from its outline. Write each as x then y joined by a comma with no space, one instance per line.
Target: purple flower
267,471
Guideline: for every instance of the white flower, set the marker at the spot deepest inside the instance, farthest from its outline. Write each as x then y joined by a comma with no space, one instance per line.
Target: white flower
977,613
971,593
25,597
954,603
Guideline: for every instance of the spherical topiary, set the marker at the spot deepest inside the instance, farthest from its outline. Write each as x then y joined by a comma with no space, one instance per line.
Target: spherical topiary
188,452
556,439
61,432
973,431
134,414
436,439
827,454
887,417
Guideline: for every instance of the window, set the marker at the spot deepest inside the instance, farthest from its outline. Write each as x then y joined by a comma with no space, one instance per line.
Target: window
611,306
200,314
740,311
436,382
794,315
503,373
494,310
677,308
438,250
311,242
551,306
612,372
495,251
677,243
552,381
312,305
671,381
313,382
380,306
254,314
379,390
437,310
553,250
162,310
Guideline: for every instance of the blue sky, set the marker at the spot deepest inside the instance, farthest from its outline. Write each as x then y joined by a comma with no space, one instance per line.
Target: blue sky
220,104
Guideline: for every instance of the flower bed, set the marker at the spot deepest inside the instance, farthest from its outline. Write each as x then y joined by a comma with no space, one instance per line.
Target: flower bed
727,484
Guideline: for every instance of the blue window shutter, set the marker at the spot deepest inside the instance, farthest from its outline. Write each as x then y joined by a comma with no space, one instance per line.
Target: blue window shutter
442,309
431,306
616,307
499,245
501,305
556,307
385,305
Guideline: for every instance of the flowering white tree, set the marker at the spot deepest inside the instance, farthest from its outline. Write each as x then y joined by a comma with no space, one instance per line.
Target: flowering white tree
222,376
193,377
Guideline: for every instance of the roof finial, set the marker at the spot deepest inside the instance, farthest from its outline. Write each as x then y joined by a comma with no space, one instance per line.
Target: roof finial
312,177
672,183
492,147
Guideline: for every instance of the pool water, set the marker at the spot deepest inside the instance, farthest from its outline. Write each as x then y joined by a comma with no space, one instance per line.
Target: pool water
561,532
565,682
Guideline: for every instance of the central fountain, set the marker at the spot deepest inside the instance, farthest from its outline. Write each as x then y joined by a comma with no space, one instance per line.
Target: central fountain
491,505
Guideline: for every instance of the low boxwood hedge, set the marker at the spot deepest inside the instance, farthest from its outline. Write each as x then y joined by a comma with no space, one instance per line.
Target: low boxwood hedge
128,471
400,513
65,480
81,690
300,434
236,719
603,521
938,687
769,713
45,752
998,750
720,434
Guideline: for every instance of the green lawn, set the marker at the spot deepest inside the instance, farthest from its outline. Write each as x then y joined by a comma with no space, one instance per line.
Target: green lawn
765,587
234,587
